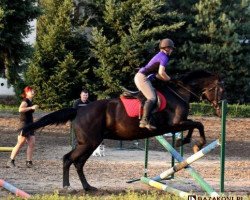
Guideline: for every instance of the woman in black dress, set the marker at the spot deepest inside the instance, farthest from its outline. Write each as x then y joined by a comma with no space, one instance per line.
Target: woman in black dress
26,110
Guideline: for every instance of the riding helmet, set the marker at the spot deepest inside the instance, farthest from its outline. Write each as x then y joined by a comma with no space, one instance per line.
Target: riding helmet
164,43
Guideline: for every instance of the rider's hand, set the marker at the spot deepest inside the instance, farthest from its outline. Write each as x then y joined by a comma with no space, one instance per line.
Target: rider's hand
168,80
176,81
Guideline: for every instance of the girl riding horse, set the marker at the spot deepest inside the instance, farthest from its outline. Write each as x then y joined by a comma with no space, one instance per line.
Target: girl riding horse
156,68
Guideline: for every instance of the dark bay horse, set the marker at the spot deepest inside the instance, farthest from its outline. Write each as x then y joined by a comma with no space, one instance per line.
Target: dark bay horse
107,119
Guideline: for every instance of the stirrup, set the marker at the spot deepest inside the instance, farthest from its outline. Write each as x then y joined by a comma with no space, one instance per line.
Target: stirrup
150,127
146,124
143,122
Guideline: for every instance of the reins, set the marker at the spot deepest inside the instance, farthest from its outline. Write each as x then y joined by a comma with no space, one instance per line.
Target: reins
198,97
185,88
177,94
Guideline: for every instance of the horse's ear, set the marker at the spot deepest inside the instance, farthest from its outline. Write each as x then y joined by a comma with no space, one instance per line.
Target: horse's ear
220,76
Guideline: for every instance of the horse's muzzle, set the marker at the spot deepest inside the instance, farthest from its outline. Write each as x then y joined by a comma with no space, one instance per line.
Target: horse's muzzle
218,112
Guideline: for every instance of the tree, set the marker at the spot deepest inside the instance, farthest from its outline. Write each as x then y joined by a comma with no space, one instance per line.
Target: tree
214,43
59,64
15,16
128,37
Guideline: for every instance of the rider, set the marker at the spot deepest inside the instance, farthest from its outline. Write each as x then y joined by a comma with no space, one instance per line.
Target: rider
154,69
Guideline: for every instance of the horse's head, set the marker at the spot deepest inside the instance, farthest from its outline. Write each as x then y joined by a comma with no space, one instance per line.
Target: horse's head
214,93
208,86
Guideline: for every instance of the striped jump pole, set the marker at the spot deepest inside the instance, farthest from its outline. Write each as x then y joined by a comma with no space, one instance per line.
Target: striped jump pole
188,161
13,189
165,187
5,149
191,170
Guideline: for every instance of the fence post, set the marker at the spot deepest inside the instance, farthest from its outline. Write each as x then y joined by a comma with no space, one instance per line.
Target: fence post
146,158
181,147
172,159
222,151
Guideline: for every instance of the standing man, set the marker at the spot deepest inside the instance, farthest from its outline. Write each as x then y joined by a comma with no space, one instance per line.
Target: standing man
82,101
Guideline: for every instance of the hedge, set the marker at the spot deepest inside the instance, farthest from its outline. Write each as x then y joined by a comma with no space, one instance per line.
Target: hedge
196,109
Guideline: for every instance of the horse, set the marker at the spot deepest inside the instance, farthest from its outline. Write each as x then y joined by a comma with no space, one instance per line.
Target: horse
107,119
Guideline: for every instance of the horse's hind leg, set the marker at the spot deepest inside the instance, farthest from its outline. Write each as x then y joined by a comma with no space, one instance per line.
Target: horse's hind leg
79,164
77,156
67,161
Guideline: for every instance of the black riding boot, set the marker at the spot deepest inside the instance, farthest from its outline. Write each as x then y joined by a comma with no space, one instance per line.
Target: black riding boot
145,121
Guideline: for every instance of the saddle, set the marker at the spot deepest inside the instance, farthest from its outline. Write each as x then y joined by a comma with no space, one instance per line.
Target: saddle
133,102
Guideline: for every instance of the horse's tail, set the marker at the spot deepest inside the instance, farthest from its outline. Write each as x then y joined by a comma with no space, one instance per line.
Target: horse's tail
57,117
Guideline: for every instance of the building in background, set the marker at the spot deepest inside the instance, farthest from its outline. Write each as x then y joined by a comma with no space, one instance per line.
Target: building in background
32,36
5,90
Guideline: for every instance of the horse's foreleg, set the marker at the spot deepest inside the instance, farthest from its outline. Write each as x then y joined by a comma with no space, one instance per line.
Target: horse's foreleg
186,140
190,126
200,143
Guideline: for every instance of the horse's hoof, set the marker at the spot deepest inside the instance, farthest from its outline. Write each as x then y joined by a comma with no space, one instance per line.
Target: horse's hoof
90,189
67,190
196,148
178,143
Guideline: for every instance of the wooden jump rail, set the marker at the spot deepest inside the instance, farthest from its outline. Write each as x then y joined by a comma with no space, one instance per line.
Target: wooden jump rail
13,189
5,149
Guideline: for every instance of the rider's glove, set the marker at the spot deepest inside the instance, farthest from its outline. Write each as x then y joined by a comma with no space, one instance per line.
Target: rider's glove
151,77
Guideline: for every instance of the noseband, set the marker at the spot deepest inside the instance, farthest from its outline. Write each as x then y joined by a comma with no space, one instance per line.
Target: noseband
215,87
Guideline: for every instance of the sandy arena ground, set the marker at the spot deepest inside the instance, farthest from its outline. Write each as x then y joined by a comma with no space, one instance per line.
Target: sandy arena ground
110,173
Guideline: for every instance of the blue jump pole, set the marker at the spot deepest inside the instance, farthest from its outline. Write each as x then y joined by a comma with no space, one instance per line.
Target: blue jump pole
188,161
192,171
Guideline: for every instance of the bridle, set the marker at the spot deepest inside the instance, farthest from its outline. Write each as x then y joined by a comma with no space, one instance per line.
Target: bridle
215,87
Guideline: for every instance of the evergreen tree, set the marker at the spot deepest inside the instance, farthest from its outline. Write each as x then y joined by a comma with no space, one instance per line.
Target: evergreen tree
15,16
1,18
129,36
215,43
58,68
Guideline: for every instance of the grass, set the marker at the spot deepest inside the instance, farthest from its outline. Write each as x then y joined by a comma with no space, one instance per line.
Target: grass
233,110
9,108
130,195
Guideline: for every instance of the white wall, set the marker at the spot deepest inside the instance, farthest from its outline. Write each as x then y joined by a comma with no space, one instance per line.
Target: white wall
4,89
32,36
9,91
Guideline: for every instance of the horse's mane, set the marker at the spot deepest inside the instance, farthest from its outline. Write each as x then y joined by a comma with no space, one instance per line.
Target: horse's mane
184,79
196,74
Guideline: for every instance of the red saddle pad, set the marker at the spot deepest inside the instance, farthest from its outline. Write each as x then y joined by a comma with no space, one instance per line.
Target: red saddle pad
132,106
